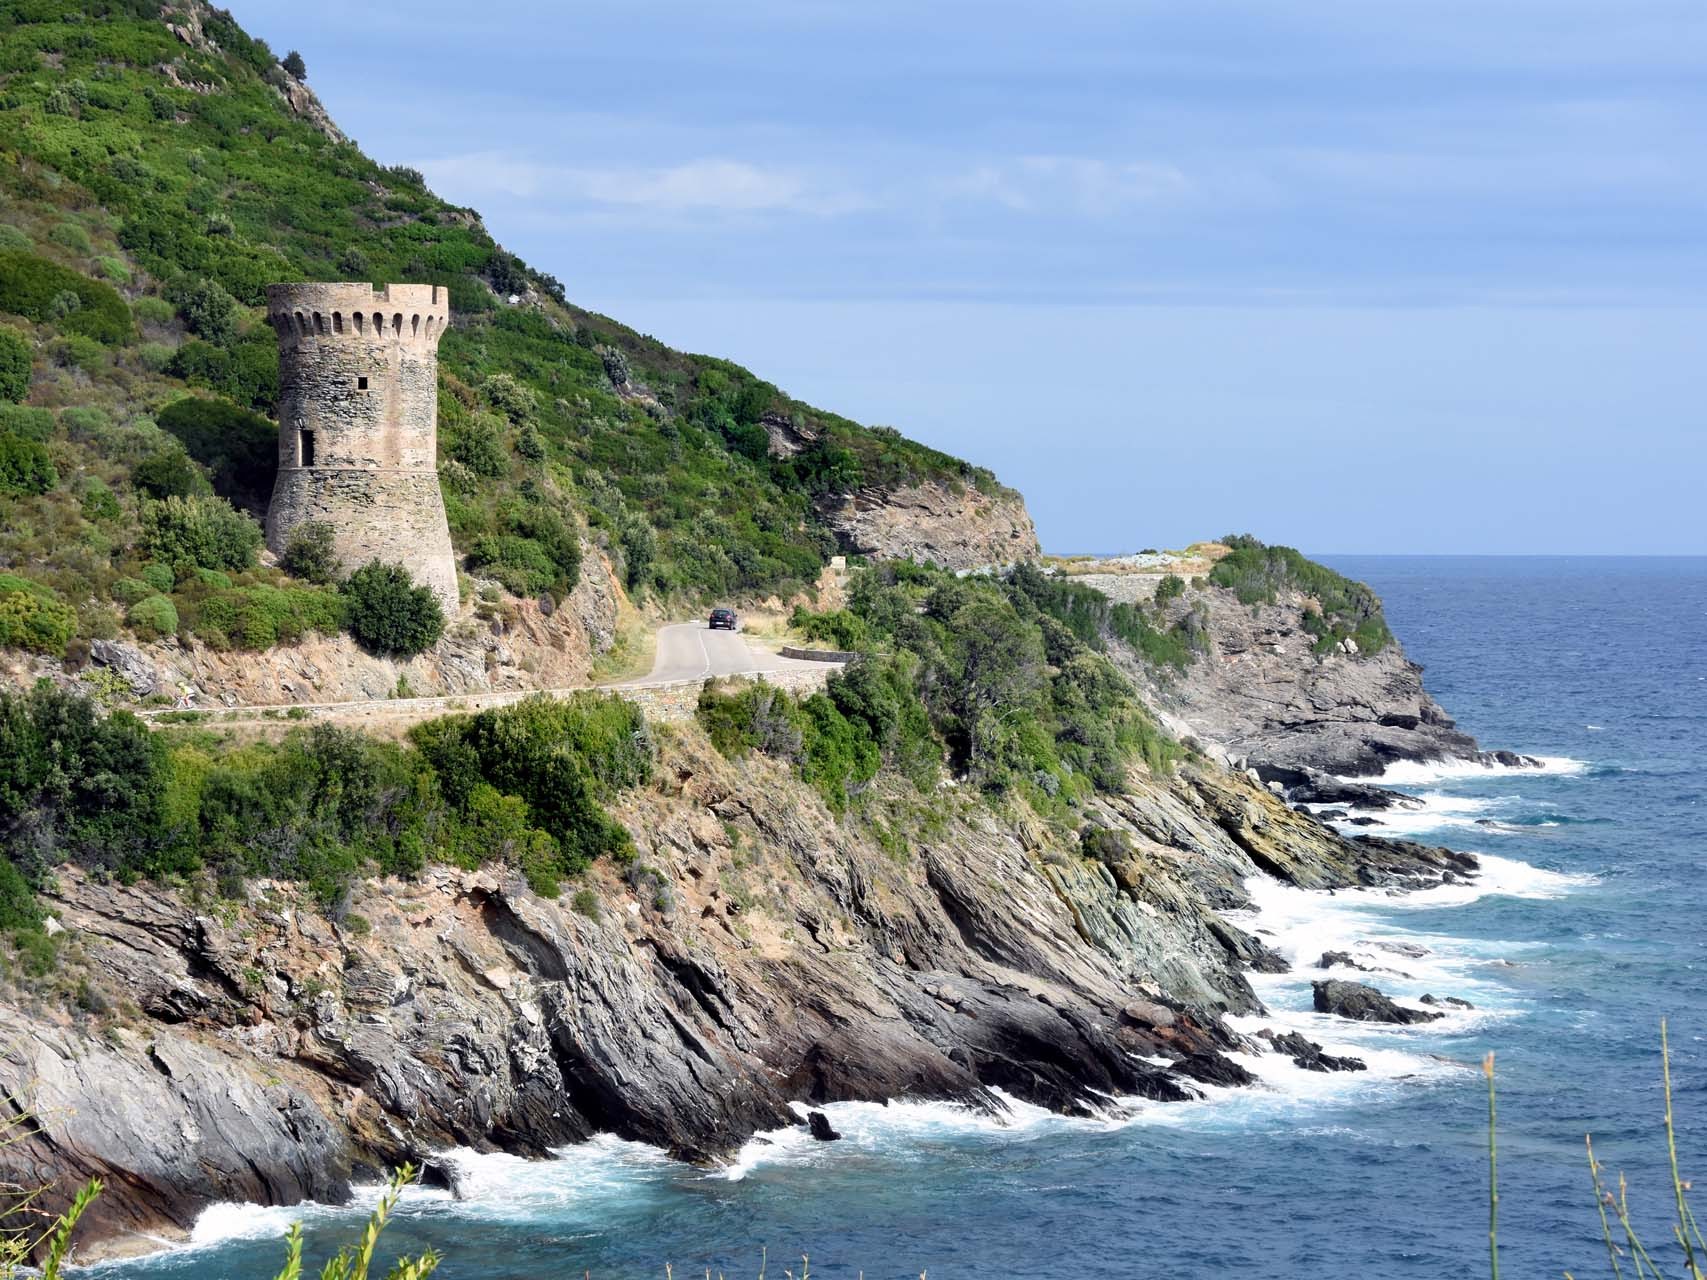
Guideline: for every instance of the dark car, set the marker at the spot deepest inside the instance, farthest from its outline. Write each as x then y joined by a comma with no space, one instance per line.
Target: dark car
724,620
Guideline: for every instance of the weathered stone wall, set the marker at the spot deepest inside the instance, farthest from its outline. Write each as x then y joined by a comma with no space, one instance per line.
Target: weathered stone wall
672,703
358,424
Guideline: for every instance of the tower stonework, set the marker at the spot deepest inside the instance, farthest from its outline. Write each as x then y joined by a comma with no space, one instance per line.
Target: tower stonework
358,424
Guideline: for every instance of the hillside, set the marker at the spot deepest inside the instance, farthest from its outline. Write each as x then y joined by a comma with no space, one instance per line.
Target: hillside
160,168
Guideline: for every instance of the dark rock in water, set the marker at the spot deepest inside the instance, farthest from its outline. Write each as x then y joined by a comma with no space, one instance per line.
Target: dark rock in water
1454,1001
1308,1054
1510,759
1312,786
1213,1068
819,1124
1416,951
1251,952
1332,815
1363,1003
1365,822
1407,863
1340,960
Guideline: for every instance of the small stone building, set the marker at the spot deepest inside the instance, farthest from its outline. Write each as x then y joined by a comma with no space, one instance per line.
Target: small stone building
358,424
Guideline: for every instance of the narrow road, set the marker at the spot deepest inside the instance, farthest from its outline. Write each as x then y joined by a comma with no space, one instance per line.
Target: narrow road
692,651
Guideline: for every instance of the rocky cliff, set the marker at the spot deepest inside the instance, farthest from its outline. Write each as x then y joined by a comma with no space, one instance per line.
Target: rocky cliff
956,526
756,952
1261,692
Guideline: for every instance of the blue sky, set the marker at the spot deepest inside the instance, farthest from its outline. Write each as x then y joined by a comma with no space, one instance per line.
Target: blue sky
1413,275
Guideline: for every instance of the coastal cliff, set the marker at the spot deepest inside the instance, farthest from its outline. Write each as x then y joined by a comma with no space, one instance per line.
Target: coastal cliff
757,951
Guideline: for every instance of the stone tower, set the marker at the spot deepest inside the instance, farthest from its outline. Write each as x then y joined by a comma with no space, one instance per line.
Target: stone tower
358,424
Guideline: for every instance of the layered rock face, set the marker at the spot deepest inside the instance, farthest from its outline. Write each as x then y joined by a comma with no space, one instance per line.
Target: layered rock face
1262,694
957,527
756,953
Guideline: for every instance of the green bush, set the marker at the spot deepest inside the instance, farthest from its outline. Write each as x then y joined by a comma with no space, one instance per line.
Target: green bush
388,613
45,291
15,357
170,473
260,616
158,576
1171,587
200,531
309,553
240,449
128,591
153,616
26,468
26,423
208,310
33,616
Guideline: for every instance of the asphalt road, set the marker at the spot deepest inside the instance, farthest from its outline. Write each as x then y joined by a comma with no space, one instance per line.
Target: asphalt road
692,651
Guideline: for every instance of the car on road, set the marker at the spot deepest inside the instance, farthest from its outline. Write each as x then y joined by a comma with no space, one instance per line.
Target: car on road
724,620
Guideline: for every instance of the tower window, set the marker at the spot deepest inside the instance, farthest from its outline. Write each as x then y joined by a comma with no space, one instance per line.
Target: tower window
305,448
361,384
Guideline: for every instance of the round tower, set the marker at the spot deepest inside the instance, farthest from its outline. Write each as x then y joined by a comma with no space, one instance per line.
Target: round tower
358,424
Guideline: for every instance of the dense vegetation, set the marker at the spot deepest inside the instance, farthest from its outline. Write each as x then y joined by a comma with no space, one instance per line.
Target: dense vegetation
152,186
1257,573
1001,679
523,785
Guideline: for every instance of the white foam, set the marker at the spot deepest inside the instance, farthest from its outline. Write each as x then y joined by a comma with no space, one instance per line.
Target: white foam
220,1223
1416,773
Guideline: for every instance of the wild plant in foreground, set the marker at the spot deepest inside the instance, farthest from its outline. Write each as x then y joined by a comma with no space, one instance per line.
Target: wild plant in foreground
1685,1229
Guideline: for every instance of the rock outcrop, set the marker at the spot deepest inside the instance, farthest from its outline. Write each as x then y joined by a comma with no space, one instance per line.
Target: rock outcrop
771,955
956,526
1363,1003
1263,694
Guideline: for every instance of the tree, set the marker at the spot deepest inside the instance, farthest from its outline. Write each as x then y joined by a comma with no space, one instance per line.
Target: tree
14,366
389,613
294,64
203,531
309,552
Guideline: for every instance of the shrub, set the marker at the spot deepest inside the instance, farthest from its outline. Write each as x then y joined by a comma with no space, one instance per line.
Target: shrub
128,591
158,576
25,422
1171,587
261,616
41,290
201,531
33,616
170,473
388,613
293,63
153,616
309,552
208,310
15,359
26,468
240,449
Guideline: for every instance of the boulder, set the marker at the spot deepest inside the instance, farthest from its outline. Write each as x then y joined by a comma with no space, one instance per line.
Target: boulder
129,662
819,1125
1454,1001
1362,1003
1214,1068
1308,1054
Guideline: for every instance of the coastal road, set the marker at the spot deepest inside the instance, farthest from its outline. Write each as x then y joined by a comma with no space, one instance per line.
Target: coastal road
692,651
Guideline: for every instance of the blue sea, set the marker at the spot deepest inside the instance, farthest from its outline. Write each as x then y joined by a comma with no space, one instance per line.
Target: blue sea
1589,927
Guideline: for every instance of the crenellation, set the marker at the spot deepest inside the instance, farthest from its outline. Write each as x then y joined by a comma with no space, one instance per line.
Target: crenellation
358,424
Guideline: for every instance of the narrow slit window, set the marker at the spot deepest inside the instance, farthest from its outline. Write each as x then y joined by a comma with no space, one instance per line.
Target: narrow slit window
361,384
305,448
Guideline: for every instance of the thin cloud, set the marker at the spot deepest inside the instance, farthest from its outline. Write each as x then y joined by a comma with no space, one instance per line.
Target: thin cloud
1074,185
709,185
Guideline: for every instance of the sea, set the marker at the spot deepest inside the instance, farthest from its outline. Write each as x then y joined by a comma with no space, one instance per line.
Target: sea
1586,931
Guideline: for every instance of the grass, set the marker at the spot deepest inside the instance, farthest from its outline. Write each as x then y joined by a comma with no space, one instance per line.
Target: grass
1609,1206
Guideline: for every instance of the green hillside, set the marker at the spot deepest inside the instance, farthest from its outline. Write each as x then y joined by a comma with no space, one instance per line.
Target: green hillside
154,178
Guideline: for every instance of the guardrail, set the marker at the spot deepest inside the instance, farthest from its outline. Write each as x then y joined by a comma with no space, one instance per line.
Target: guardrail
818,655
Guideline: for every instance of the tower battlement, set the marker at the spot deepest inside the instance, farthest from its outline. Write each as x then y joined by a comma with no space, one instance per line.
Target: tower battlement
415,313
358,424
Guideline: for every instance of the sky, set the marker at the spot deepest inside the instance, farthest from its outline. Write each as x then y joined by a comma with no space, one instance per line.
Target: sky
1408,276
